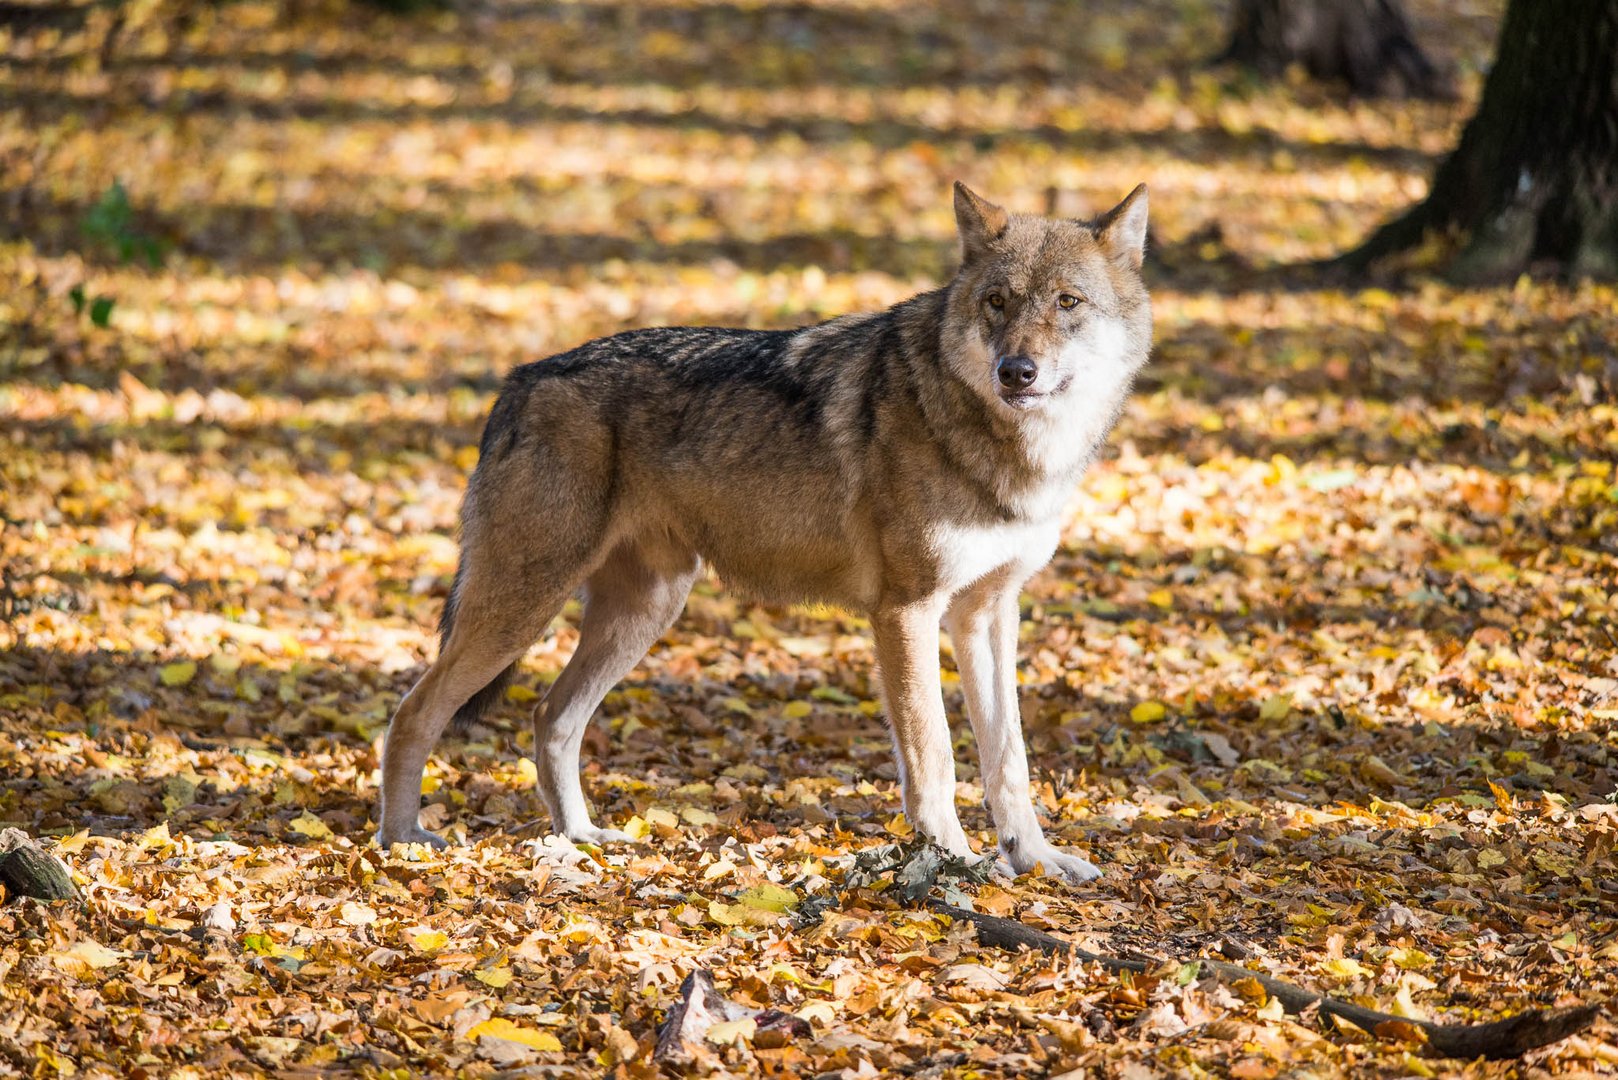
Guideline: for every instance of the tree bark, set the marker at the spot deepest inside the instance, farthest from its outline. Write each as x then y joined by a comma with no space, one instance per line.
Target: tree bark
1367,44
1533,185
26,869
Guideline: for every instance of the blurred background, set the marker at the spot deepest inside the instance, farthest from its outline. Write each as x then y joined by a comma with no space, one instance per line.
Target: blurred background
560,170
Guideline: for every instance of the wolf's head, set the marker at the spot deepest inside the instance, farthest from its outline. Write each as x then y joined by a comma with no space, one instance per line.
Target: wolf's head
1046,311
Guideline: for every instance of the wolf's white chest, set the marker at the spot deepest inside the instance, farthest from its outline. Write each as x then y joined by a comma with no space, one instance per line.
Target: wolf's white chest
967,553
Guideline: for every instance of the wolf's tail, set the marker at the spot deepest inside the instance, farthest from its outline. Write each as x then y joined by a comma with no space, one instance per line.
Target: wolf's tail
479,704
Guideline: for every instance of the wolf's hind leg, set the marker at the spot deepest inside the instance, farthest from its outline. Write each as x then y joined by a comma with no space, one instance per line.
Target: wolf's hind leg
468,663
629,601
490,633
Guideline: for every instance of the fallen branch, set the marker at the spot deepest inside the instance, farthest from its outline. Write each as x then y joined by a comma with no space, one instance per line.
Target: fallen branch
1508,1038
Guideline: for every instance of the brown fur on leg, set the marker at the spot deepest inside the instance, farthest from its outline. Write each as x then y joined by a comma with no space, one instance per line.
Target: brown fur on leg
479,704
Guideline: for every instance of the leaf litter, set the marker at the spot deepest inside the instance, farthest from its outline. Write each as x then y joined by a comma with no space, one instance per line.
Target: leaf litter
1323,675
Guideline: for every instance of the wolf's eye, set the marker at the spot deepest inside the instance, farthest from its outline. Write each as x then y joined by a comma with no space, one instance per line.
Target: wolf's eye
996,301
1068,300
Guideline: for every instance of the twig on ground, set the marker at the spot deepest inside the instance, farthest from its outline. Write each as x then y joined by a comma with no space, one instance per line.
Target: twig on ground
1508,1038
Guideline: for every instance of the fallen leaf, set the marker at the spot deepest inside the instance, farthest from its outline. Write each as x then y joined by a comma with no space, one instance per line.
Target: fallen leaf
501,1028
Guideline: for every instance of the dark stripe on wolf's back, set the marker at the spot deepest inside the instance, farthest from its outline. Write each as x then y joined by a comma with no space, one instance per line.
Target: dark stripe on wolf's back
701,358
753,358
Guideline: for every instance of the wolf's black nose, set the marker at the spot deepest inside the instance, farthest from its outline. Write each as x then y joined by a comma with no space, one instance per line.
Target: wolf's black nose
1017,372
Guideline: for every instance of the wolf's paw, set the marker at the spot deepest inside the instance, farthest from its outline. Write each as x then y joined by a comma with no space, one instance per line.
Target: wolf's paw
414,835
1054,862
600,837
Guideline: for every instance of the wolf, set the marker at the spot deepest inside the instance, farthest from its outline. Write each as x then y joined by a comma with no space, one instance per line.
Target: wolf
910,465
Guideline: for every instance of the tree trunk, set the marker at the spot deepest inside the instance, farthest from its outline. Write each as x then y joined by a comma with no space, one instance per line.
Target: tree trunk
1364,43
1533,185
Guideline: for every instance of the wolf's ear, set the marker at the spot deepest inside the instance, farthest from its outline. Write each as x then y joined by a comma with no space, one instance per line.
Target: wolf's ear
1122,230
978,221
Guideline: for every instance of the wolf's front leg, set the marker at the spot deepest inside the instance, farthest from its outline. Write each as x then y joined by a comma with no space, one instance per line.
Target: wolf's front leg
907,652
982,624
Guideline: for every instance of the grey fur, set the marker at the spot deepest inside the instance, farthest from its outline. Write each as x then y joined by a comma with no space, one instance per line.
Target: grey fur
891,463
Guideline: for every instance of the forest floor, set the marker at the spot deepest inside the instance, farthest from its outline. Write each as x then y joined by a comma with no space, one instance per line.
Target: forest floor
1325,672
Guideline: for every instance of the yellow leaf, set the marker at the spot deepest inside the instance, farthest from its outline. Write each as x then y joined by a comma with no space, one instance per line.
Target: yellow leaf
499,1028
177,674
768,897
637,828
356,914
1148,712
1489,857
1282,468
1275,707
520,694
87,955
762,905
1502,797
156,837
728,914
1345,968
1410,959
694,815
797,710
1272,1010
310,826
818,1012
732,1031
1161,598
72,845
660,818
495,977
429,940
1378,299
719,869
